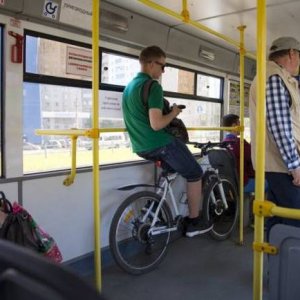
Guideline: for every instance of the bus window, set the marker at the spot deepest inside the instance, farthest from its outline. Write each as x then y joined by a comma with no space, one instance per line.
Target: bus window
178,80
118,69
209,86
200,114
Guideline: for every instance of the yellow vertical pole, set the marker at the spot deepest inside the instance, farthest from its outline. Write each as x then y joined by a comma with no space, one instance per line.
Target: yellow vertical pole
95,112
260,144
185,12
242,106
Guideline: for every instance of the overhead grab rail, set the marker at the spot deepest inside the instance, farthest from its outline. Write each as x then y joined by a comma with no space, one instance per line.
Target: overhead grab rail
185,17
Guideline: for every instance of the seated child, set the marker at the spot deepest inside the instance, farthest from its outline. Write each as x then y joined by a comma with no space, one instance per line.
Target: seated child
232,120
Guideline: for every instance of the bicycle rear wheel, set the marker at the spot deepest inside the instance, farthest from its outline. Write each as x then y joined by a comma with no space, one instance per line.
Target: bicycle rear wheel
224,220
134,249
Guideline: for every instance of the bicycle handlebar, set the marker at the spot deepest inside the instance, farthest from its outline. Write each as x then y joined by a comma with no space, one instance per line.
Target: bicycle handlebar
209,145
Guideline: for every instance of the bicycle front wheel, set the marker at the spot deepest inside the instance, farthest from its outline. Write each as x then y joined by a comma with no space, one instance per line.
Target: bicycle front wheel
224,220
135,249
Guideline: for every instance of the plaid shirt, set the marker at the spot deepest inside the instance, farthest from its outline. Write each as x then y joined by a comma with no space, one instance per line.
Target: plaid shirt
279,121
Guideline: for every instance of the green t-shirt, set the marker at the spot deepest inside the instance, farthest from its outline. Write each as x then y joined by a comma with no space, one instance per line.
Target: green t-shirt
142,136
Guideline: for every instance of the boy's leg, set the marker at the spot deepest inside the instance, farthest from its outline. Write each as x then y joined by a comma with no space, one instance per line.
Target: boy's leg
194,189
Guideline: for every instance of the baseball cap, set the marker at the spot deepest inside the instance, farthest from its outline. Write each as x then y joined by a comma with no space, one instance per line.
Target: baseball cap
284,43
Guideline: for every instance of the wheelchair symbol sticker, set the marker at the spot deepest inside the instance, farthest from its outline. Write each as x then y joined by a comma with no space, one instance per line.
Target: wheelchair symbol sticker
50,9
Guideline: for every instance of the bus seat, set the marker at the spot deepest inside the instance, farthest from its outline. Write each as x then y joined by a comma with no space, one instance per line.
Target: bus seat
284,268
223,160
26,275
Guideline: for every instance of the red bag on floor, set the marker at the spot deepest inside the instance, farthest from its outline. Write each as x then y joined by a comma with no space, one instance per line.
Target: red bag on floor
19,227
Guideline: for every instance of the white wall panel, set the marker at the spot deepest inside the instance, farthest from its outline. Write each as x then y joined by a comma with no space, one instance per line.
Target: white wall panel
10,190
67,212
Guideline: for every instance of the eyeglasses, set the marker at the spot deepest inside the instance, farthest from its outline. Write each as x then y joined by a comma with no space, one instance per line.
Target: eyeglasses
161,65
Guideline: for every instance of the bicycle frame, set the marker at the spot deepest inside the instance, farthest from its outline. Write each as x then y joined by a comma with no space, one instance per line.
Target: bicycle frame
167,189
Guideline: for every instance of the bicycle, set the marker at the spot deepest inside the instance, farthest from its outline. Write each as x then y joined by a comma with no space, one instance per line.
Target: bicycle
141,227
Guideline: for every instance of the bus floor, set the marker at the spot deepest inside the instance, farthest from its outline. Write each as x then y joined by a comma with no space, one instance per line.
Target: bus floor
193,269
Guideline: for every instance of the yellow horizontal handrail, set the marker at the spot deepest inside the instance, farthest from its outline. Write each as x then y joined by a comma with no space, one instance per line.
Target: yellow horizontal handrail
69,132
186,20
284,212
87,132
91,133
266,208
76,132
102,130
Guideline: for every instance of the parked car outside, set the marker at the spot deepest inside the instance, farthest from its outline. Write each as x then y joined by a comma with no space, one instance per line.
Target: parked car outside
110,141
53,144
30,146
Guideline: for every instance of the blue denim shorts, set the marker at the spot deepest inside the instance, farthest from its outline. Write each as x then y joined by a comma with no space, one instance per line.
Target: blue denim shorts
176,157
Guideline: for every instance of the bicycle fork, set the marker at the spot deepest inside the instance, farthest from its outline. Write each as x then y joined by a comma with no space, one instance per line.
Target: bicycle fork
221,191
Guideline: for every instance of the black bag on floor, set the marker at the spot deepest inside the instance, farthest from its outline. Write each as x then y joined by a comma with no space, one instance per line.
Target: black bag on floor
20,228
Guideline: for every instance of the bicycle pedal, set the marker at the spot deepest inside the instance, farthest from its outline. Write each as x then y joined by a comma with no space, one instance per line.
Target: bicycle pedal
179,223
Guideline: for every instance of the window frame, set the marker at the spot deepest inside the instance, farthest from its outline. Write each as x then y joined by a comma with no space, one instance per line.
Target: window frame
194,96
69,82
53,80
222,82
108,86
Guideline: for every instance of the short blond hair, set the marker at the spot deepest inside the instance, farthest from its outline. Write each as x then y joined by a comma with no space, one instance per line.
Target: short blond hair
151,53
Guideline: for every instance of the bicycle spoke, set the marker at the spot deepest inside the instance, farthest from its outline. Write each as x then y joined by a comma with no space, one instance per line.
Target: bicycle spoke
133,246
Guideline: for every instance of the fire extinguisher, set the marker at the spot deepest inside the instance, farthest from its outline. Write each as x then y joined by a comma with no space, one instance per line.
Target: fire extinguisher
16,54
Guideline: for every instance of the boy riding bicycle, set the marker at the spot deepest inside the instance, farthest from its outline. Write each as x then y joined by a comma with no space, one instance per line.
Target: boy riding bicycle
149,139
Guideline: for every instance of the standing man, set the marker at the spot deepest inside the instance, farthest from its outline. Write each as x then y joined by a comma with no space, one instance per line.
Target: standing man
283,126
149,139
